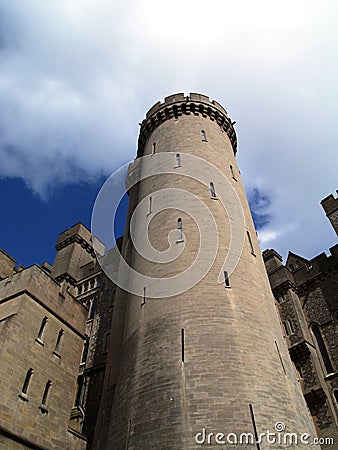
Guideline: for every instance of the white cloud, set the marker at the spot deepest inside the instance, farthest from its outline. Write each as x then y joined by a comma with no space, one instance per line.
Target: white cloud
267,237
77,77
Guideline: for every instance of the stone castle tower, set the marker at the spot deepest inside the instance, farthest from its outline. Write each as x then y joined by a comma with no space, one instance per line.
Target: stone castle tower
211,358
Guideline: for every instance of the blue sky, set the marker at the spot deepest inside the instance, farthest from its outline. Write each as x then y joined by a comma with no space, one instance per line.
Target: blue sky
30,227
77,77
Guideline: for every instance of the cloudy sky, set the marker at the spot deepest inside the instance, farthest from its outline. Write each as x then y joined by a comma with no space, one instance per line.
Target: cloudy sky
77,76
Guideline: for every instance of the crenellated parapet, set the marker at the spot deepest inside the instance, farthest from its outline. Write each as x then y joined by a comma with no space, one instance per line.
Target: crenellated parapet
177,105
73,245
76,239
330,206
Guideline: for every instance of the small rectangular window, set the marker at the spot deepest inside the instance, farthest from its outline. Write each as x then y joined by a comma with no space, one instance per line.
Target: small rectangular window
232,173
250,243
79,390
212,190
226,279
27,381
153,151
42,328
58,341
203,136
46,392
182,344
285,328
288,327
150,205
178,160
144,297
92,309
179,231
85,351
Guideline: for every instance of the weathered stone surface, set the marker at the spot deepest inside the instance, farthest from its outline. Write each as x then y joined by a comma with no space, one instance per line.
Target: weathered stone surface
306,295
25,301
230,356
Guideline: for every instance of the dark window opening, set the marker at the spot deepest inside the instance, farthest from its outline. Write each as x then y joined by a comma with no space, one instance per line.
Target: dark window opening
46,392
179,231
203,136
92,309
335,393
250,243
150,205
144,297
42,328
27,381
288,327
254,425
58,341
226,279
85,351
212,190
79,390
232,173
182,344
322,348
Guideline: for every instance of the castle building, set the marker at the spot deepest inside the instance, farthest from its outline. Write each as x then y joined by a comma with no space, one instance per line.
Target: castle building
41,327
236,348
54,327
306,299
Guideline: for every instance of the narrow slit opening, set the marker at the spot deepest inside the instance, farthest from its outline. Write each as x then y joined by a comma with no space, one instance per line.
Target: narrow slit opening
226,279
182,344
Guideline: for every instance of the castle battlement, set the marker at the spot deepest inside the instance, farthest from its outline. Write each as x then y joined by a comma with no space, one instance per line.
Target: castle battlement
177,105
330,206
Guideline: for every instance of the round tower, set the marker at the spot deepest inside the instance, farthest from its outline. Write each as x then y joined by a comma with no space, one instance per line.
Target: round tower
209,362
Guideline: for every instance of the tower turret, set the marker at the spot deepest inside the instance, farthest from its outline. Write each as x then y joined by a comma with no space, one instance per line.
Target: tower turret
209,359
330,206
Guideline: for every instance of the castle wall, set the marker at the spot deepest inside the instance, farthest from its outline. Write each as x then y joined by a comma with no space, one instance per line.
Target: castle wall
330,206
26,417
306,298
